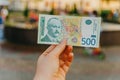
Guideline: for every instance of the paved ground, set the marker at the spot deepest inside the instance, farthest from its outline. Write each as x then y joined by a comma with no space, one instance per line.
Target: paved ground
17,62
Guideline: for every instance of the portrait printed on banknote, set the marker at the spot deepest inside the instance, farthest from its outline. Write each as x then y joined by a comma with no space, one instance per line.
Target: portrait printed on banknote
53,30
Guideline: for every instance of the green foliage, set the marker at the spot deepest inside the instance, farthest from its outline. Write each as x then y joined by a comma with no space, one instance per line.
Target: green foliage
52,11
105,13
74,11
26,12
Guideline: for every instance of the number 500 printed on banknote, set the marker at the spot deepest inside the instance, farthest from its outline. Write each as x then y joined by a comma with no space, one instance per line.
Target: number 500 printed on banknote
79,31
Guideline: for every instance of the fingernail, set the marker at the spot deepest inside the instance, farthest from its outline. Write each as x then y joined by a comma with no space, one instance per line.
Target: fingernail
64,40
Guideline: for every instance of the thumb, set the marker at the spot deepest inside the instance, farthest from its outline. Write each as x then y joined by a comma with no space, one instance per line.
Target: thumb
59,48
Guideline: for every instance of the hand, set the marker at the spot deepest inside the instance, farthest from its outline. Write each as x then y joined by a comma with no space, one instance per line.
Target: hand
54,63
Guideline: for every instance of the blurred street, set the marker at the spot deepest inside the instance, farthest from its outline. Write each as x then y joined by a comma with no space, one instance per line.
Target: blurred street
18,62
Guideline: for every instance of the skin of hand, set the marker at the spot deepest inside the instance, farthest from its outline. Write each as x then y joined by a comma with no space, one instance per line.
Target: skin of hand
54,63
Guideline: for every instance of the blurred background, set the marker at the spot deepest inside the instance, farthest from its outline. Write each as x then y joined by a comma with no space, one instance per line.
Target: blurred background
19,50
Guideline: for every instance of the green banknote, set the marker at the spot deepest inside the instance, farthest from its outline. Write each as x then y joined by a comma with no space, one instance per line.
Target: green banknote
79,31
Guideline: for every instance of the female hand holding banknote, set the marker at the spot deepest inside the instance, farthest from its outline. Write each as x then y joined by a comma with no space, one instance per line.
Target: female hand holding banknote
54,63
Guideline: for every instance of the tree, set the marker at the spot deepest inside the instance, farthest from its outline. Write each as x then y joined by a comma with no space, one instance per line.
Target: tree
74,10
26,12
52,11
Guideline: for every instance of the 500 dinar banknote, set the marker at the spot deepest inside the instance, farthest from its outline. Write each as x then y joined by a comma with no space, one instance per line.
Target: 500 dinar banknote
79,31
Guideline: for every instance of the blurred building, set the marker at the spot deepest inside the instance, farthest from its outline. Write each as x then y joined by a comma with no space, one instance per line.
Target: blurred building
17,4
46,5
110,4
4,2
